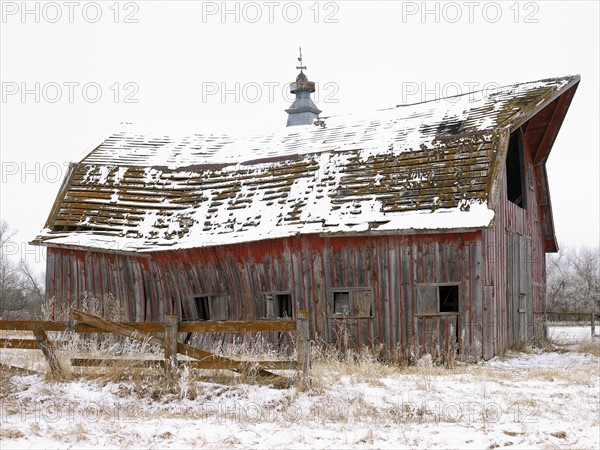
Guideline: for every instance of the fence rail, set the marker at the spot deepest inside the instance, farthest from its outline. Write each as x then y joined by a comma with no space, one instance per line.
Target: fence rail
170,329
229,326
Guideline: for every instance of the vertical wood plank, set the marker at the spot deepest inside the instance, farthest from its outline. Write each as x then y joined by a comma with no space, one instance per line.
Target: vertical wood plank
170,346
303,346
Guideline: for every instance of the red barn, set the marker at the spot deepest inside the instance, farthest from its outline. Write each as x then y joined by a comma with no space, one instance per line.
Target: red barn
416,225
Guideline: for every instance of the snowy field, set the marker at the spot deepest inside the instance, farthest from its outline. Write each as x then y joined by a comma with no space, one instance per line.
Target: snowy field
571,334
524,400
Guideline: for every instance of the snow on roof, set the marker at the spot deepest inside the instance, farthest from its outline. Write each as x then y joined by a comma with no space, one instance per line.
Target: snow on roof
425,166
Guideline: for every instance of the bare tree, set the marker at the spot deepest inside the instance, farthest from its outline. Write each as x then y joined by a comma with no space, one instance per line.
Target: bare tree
21,289
573,280
10,299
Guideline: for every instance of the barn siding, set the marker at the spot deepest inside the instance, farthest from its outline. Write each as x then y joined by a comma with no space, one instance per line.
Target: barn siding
515,255
308,266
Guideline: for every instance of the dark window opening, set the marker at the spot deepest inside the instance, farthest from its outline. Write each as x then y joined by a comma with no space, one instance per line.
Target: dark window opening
515,173
448,297
202,308
341,303
212,307
283,305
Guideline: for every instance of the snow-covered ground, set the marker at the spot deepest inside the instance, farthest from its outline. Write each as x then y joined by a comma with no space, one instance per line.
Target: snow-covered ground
571,334
523,400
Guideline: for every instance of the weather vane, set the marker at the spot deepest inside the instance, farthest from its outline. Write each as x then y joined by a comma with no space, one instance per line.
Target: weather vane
301,67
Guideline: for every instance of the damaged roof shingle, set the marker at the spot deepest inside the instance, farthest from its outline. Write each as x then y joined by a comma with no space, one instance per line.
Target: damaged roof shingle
423,166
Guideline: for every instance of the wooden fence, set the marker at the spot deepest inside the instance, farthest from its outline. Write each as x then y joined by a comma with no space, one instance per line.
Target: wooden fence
149,332
591,315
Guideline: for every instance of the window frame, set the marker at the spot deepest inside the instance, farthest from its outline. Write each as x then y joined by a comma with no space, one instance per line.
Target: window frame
457,286
350,291
263,295
420,287
211,296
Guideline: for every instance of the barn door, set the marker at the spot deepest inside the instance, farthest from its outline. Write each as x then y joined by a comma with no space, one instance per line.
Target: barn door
435,333
519,287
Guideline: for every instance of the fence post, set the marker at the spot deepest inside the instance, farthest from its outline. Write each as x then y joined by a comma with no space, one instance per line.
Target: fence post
545,325
593,324
303,345
48,350
171,324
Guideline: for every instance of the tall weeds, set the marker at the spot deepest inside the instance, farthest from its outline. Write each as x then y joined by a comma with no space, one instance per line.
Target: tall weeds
140,362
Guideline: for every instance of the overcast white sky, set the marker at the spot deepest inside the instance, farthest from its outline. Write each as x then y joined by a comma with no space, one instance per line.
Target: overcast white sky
206,66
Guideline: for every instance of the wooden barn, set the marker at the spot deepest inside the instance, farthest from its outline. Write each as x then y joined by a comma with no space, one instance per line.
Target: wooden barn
417,225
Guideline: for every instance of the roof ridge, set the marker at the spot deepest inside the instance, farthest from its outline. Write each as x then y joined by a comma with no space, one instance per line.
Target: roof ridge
544,80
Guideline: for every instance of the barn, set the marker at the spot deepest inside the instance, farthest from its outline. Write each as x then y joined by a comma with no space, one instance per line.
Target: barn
417,225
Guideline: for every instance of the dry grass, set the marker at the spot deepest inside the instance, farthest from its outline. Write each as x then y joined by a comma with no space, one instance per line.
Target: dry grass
522,346
9,433
328,363
372,365
140,365
339,402
368,364
491,373
589,347
574,377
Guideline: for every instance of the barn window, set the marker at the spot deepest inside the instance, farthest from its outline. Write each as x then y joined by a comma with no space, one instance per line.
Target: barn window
448,298
515,172
437,298
341,303
353,302
278,305
202,308
212,307
283,305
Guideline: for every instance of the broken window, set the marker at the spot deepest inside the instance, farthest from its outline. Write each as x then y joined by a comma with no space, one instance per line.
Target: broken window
278,305
283,305
448,297
341,303
353,302
515,173
434,299
212,307
202,308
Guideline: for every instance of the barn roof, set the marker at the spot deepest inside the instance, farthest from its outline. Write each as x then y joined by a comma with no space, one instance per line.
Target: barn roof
431,166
